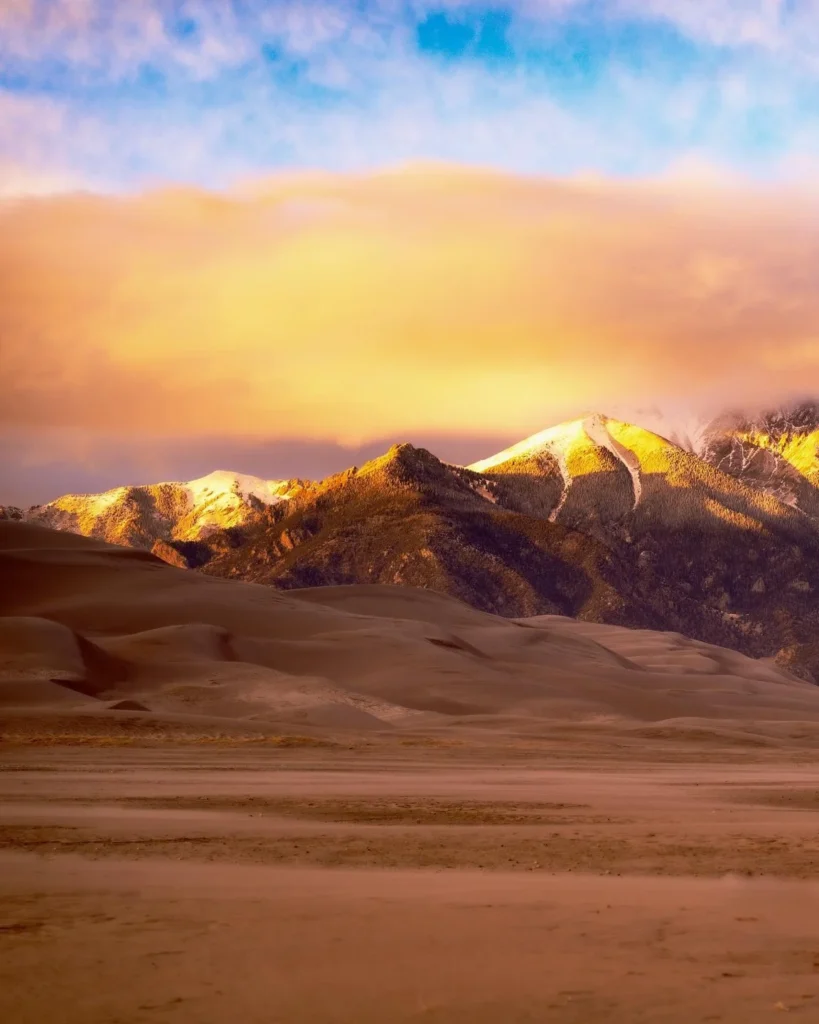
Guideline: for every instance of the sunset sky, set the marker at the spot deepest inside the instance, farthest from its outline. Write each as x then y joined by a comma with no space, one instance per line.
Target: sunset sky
276,237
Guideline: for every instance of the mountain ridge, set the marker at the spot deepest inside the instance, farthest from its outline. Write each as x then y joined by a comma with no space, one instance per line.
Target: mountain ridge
142,515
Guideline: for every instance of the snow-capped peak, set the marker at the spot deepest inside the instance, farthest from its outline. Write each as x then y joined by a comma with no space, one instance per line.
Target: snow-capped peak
557,441
143,514
222,482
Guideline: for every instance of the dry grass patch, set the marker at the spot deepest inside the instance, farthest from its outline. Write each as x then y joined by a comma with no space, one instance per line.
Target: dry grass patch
787,799
368,811
158,738
488,849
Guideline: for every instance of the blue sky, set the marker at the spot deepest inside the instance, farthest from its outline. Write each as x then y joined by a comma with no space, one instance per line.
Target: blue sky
120,95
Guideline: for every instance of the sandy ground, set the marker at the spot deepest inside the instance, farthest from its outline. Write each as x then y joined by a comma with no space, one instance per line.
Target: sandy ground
220,803
264,886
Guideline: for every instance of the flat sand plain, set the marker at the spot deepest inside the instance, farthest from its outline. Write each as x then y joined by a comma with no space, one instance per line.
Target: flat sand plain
258,885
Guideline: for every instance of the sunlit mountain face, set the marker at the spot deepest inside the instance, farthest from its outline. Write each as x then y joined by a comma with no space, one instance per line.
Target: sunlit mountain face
776,453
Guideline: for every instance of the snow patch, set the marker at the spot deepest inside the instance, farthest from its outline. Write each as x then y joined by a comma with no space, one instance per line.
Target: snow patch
95,504
595,427
484,492
223,499
224,484
556,441
559,442
560,455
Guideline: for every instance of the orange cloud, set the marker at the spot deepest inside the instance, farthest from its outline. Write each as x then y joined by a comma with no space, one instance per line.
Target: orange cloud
424,300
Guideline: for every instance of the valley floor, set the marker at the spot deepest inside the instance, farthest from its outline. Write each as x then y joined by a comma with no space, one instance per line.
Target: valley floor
188,885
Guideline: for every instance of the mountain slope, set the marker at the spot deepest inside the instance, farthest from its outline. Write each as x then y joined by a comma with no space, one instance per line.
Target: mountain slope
618,475
557,472
611,524
410,519
776,452
142,516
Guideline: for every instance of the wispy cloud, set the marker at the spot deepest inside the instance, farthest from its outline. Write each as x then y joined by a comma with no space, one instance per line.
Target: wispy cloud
204,36
730,23
132,93
116,40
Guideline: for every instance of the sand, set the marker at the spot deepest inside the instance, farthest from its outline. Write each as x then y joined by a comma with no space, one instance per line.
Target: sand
353,805
197,886
93,632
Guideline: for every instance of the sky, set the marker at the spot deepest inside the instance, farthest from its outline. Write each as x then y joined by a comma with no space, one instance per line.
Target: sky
276,237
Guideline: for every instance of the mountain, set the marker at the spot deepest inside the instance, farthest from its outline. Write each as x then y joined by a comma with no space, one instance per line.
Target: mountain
597,518
150,516
776,451
408,518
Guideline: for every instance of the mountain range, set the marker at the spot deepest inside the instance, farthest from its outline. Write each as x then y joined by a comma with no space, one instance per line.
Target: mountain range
713,533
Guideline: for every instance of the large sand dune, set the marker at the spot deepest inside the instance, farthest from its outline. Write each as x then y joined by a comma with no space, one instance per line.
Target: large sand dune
99,630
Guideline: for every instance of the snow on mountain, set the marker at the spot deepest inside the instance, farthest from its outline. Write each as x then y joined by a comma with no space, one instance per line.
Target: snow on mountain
557,441
775,451
221,483
578,447
143,515
223,499
592,474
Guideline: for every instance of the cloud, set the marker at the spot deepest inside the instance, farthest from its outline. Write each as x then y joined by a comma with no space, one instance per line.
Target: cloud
786,26
768,24
116,40
121,96
199,39
408,112
433,300
350,309
203,38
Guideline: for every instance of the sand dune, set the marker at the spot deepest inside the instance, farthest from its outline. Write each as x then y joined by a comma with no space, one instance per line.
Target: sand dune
105,630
